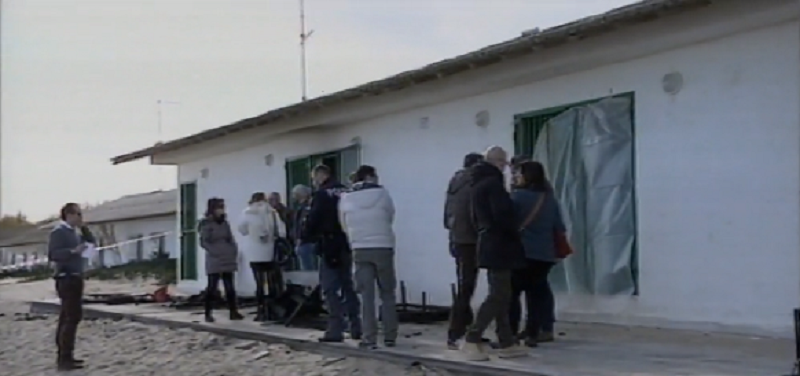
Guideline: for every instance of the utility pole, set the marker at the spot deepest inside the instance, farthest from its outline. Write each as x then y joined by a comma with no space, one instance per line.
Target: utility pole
160,103
304,35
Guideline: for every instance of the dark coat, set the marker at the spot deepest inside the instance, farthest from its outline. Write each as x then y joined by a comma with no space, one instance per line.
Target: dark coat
322,225
538,237
457,218
499,244
299,215
222,253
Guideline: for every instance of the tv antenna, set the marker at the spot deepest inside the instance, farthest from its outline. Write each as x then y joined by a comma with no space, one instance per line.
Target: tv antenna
304,35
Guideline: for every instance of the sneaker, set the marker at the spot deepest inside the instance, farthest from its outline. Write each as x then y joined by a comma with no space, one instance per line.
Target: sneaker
474,352
452,344
367,345
512,352
545,337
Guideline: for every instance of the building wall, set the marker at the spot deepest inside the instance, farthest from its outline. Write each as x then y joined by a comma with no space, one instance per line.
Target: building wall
126,230
718,174
25,254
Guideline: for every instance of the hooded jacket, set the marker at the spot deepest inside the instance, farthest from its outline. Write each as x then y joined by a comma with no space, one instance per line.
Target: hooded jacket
499,244
457,209
259,226
367,215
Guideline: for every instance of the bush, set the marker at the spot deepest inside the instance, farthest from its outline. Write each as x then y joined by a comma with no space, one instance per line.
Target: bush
160,268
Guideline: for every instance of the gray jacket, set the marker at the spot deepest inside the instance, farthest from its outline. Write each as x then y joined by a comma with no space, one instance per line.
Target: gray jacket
63,240
538,236
222,253
457,215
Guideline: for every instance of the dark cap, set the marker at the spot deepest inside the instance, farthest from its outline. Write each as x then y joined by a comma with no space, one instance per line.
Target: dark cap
472,159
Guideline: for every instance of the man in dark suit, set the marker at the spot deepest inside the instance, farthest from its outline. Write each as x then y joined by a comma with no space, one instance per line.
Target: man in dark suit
67,242
499,252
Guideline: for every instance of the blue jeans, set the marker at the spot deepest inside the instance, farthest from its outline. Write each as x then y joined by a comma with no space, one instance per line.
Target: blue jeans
307,256
340,296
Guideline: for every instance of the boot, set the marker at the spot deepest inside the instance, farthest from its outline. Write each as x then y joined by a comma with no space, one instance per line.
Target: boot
235,315
209,317
261,316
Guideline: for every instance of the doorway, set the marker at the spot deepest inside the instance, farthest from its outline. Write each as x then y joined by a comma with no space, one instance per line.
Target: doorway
342,163
587,149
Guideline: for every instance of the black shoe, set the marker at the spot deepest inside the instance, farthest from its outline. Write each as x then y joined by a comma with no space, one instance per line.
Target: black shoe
531,342
390,343
235,316
68,365
209,318
330,340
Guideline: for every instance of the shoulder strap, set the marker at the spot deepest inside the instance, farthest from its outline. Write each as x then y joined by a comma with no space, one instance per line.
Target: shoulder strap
533,212
274,223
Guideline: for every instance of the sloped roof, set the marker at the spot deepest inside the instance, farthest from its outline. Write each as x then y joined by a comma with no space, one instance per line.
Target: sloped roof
136,206
143,205
528,43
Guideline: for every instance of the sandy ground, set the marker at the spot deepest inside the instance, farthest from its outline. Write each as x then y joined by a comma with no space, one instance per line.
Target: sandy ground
126,348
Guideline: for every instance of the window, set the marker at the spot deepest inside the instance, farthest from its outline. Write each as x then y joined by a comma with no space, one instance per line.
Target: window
138,247
342,162
582,272
158,240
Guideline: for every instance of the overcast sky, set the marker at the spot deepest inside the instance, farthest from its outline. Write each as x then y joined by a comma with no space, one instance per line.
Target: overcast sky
80,78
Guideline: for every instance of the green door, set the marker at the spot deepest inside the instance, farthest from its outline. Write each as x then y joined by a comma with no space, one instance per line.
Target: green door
188,218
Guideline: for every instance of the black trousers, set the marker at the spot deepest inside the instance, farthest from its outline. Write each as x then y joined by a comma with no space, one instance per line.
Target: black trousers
268,273
213,288
539,302
494,308
70,292
461,314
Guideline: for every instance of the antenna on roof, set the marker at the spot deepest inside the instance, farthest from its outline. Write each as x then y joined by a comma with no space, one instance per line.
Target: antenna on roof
304,35
160,103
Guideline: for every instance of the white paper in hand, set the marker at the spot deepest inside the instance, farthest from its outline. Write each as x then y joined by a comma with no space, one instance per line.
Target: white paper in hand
89,252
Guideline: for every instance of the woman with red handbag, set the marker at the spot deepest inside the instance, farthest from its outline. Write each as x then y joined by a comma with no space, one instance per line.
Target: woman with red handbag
544,238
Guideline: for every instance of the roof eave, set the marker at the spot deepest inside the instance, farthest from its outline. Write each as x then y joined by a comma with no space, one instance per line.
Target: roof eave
636,13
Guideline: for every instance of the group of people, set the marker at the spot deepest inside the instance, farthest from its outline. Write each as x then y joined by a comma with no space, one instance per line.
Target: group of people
333,228
511,232
514,235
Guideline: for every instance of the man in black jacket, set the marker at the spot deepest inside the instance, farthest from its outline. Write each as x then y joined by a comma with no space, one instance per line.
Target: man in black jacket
458,221
499,252
336,272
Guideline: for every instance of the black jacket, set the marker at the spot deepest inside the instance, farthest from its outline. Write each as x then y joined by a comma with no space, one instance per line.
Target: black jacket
457,209
298,220
499,243
322,222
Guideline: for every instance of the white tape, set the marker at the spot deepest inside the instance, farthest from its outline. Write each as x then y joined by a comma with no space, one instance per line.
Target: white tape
132,241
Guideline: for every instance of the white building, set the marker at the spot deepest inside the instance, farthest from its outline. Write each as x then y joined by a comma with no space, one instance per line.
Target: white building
708,210
141,226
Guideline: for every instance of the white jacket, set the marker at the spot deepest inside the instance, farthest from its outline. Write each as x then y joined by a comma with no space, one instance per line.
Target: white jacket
259,226
367,215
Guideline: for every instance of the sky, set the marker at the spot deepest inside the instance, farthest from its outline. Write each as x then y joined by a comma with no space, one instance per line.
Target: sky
80,79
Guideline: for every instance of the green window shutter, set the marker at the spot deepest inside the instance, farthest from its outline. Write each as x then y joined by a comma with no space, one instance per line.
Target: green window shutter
298,171
188,235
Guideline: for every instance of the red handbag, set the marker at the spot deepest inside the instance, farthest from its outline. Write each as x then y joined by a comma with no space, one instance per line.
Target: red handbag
563,249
